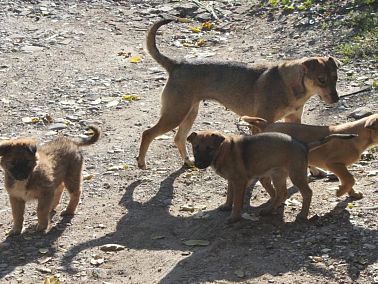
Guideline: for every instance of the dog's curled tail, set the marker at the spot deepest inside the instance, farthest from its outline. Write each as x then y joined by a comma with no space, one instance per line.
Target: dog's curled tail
163,60
91,139
316,144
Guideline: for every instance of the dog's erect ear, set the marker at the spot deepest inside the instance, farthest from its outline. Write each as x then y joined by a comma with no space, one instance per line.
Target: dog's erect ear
4,148
372,123
191,136
258,122
334,61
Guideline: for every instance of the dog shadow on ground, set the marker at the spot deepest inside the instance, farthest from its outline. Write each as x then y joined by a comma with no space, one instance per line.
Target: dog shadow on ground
235,252
30,246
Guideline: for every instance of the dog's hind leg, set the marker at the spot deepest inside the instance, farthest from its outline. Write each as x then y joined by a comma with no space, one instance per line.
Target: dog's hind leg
182,133
72,183
57,196
298,177
173,112
43,210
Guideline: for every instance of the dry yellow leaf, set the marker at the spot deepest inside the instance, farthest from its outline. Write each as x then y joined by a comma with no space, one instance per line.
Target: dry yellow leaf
136,59
195,29
207,25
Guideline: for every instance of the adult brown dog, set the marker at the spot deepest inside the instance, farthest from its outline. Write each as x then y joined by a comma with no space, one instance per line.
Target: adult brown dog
41,173
242,158
270,91
336,155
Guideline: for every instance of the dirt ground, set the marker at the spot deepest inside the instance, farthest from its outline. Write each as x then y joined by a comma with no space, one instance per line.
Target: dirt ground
71,61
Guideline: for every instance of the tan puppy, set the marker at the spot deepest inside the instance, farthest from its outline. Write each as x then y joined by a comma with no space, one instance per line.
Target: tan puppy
241,158
41,173
336,155
272,91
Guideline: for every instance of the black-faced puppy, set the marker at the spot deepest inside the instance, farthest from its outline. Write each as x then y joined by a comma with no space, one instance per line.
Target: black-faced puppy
241,158
41,173
270,91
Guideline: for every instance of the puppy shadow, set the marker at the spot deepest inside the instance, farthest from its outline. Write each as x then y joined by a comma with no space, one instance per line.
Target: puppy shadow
31,246
268,246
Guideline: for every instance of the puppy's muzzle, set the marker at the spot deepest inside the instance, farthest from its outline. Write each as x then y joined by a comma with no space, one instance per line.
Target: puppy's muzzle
20,176
202,162
334,97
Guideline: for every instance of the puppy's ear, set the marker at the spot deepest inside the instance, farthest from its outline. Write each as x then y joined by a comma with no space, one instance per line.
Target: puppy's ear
191,137
218,138
334,61
257,122
372,123
4,148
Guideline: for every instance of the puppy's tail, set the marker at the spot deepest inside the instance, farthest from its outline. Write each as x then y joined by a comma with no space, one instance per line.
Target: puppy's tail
163,60
91,139
316,144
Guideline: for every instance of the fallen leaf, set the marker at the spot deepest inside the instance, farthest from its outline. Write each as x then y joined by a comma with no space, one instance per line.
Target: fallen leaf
207,25
195,29
197,243
136,59
51,280
131,97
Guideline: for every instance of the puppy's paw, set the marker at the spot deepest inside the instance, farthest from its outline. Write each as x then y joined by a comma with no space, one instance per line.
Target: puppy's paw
301,218
225,207
233,219
14,232
342,190
67,213
41,228
267,210
188,163
356,194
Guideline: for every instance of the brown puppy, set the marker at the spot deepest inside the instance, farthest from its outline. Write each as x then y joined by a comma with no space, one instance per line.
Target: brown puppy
241,158
270,91
336,155
41,173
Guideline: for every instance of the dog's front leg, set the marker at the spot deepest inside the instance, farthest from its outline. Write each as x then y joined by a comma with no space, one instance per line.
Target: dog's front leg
238,188
294,117
346,179
227,206
18,209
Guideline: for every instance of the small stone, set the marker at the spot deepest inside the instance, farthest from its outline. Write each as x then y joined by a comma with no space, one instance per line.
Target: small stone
112,247
360,112
57,126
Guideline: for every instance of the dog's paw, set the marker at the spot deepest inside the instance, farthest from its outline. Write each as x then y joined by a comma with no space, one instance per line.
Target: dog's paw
141,164
67,213
233,219
356,194
14,232
41,228
225,207
267,210
188,163
342,190
301,218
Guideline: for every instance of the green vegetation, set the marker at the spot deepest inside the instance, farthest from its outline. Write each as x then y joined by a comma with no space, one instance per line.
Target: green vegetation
292,5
